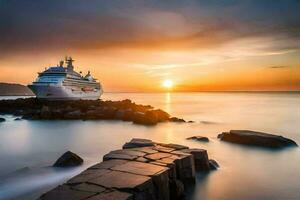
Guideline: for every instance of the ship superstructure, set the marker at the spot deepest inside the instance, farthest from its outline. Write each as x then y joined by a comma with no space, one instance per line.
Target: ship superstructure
64,83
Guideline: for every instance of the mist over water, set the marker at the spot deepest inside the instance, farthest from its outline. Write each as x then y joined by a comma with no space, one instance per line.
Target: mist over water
28,148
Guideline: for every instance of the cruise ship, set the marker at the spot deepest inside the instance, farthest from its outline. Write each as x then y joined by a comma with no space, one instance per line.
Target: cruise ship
64,83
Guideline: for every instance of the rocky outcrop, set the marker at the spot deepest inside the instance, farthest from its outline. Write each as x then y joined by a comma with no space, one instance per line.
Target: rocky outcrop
2,119
142,170
253,138
213,165
68,159
125,110
198,138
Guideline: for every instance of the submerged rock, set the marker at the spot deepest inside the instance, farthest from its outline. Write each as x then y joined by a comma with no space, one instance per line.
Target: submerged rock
198,138
213,165
2,119
253,138
68,159
175,119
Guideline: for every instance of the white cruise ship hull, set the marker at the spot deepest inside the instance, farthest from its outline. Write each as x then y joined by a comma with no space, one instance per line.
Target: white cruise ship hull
60,92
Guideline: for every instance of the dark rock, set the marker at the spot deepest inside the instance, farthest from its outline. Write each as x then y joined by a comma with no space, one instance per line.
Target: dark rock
176,189
254,138
213,165
191,121
175,119
68,159
2,119
17,119
199,138
200,158
137,142
73,115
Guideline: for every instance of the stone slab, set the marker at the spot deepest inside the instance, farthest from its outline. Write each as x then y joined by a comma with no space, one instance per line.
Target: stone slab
87,175
157,156
113,195
140,168
123,180
108,164
89,188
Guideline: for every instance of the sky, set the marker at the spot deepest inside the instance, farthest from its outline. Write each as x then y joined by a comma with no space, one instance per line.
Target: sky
135,45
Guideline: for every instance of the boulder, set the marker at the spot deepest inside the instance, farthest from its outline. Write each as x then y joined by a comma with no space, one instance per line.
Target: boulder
213,165
176,189
73,115
253,138
198,138
137,142
175,119
17,119
68,159
2,119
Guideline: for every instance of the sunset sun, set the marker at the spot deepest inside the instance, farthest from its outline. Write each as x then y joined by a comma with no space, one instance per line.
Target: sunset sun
168,84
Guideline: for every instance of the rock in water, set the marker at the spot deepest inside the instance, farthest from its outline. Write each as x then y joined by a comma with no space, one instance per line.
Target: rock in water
254,138
199,138
68,159
2,119
213,165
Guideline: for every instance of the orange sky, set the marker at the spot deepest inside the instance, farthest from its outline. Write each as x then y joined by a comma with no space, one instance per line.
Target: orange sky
196,46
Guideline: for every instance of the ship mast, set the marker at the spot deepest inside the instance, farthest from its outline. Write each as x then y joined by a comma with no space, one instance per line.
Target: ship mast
69,62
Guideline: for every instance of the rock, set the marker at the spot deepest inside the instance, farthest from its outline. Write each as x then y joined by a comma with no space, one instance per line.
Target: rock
213,165
73,115
176,189
198,138
112,195
45,112
200,158
137,142
175,119
191,121
17,119
148,118
253,138
2,119
68,159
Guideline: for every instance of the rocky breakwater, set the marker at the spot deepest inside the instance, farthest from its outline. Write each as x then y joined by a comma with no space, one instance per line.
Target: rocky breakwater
142,170
126,110
254,138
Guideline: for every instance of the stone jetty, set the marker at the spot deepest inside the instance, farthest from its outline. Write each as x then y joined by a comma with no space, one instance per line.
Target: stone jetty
142,170
125,110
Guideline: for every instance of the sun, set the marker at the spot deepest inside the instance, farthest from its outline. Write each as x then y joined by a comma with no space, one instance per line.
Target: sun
168,83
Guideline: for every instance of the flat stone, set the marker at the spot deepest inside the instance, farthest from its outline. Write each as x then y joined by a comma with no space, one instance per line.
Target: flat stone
110,156
128,152
157,156
66,193
113,195
137,142
213,165
142,159
147,150
163,149
174,146
140,168
89,188
87,175
123,180
108,164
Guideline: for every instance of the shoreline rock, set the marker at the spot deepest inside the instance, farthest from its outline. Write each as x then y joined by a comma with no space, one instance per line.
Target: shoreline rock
68,159
254,138
125,110
198,138
143,169
2,119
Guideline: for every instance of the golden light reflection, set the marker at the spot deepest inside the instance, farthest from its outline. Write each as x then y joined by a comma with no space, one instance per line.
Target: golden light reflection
168,102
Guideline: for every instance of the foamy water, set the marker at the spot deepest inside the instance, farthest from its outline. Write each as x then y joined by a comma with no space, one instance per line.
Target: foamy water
245,173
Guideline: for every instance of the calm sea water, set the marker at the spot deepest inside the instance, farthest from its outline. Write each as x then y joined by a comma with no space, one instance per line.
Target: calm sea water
28,148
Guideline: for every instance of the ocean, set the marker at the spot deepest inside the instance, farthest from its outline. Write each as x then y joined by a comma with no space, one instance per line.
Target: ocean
29,148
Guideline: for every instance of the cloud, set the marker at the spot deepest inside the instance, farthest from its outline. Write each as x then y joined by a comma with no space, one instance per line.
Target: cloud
279,67
52,25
